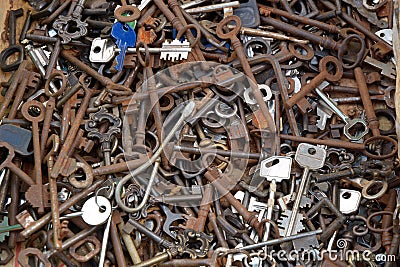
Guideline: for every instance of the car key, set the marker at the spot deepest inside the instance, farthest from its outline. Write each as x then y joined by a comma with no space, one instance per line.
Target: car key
125,37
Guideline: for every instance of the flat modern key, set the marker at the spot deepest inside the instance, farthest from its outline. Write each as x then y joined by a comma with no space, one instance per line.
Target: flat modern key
309,157
125,37
274,169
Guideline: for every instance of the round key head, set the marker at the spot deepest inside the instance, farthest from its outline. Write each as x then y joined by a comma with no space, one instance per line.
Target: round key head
33,111
232,32
96,213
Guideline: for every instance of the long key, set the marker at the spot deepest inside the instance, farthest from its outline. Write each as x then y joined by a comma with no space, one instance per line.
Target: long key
34,112
55,212
274,169
125,37
310,158
349,123
106,233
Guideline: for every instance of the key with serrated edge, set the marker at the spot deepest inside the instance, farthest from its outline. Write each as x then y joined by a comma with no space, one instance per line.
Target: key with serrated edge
125,37
387,69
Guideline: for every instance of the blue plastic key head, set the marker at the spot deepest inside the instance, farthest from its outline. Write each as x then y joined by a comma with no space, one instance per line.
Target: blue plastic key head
124,37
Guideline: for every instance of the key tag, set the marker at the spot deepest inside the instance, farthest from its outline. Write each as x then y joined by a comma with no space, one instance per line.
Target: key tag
96,213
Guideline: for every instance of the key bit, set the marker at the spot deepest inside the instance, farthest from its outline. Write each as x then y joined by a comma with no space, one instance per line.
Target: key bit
387,69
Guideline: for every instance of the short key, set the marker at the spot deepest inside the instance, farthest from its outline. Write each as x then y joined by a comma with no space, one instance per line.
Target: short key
34,112
309,157
349,123
125,37
387,69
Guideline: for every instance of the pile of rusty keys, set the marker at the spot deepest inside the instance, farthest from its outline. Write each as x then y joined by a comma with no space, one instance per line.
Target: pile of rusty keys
200,133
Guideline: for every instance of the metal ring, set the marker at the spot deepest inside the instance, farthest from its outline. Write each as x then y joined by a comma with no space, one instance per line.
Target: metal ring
323,67
50,79
233,32
343,49
122,15
186,28
382,138
383,212
309,51
7,53
365,193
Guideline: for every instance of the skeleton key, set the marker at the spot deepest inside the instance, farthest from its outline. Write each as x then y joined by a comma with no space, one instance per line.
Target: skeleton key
101,51
55,213
92,126
6,156
387,69
197,224
310,158
34,112
274,169
64,24
349,123
125,37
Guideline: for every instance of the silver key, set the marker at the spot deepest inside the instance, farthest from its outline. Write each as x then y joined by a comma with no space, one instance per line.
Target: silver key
387,69
349,123
104,242
274,169
103,51
386,35
309,157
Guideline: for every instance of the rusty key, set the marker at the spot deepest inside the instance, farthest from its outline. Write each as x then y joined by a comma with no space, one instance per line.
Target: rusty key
34,112
323,75
7,154
55,213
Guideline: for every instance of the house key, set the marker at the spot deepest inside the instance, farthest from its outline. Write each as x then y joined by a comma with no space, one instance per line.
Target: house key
274,169
125,37
309,157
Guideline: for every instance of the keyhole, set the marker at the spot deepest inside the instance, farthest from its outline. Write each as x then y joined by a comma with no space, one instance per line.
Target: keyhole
102,209
346,195
125,27
312,151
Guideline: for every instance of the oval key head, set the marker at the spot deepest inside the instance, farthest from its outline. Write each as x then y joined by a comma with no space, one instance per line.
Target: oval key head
310,156
232,32
352,124
324,65
96,213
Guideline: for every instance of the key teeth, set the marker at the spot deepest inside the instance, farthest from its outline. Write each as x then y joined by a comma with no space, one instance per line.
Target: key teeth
175,56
